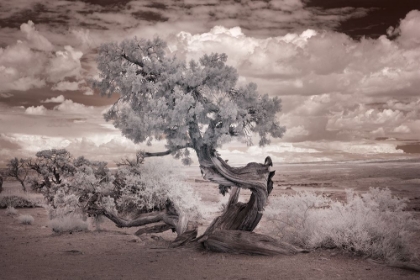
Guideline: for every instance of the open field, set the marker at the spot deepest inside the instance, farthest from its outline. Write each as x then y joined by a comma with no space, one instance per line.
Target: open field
35,252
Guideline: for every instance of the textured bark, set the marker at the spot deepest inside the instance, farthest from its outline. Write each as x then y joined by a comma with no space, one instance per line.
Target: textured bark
156,228
245,242
254,176
231,232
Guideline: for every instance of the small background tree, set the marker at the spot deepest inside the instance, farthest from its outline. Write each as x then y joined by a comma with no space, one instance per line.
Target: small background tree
18,169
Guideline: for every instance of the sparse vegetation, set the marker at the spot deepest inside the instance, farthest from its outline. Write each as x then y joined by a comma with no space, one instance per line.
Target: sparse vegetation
26,219
16,202
68,223
373,224
76,188
11,211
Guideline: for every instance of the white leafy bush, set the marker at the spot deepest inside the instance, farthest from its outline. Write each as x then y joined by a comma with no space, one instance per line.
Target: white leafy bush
26,219
66,215
74,187
151,185
373,224
68,223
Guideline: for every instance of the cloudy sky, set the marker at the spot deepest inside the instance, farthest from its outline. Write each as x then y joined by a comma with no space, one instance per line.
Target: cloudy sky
348,71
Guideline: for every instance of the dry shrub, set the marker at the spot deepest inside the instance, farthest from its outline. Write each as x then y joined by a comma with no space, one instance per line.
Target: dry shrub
67,216
68,223
26,219
16,202
373,224
11,211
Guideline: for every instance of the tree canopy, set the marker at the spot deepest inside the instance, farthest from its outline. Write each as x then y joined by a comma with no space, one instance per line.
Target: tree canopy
187,104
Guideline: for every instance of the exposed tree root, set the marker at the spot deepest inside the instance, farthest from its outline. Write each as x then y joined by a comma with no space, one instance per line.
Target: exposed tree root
245,242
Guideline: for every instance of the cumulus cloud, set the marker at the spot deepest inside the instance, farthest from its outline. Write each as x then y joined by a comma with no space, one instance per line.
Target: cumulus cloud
31,63
309,63
408,30
65,64
363,117
68,106
38,110
402,129
296,132
66,86
88,91
58,99
34,38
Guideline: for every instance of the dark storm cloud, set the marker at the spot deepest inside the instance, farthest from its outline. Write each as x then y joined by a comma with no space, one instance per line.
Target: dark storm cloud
381,14
257,18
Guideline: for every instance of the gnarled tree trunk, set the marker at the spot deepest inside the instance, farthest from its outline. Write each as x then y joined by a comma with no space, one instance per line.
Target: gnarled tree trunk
230,232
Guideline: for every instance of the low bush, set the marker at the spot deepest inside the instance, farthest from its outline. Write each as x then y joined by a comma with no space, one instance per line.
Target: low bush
68,223
16,202
11,211
373,224
26,219
77,187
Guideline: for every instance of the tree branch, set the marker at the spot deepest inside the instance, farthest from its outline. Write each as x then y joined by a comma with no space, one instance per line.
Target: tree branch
138,63
140,221
165,153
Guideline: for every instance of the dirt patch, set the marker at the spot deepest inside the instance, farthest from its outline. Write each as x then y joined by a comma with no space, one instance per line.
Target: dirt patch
35,252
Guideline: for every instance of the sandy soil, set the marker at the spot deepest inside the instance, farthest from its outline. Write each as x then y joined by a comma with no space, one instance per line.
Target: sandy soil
35,252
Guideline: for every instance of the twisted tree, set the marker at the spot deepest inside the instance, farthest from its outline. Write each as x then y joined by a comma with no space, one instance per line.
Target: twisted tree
197,106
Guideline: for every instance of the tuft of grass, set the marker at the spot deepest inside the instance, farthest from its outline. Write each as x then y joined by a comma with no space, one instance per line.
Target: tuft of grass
373,224
26,219
69,223
11,211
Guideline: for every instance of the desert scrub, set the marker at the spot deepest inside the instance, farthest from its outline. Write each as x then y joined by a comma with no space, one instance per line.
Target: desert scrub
69,223
74,189
67,215
26,219
11,211
16,202
372,224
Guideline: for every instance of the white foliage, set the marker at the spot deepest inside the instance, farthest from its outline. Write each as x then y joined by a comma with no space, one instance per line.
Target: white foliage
70,185
373,224
68,223
149,186
25,219
11,211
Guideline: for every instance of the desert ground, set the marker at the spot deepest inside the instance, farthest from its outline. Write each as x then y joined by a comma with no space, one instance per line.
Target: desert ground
35,252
